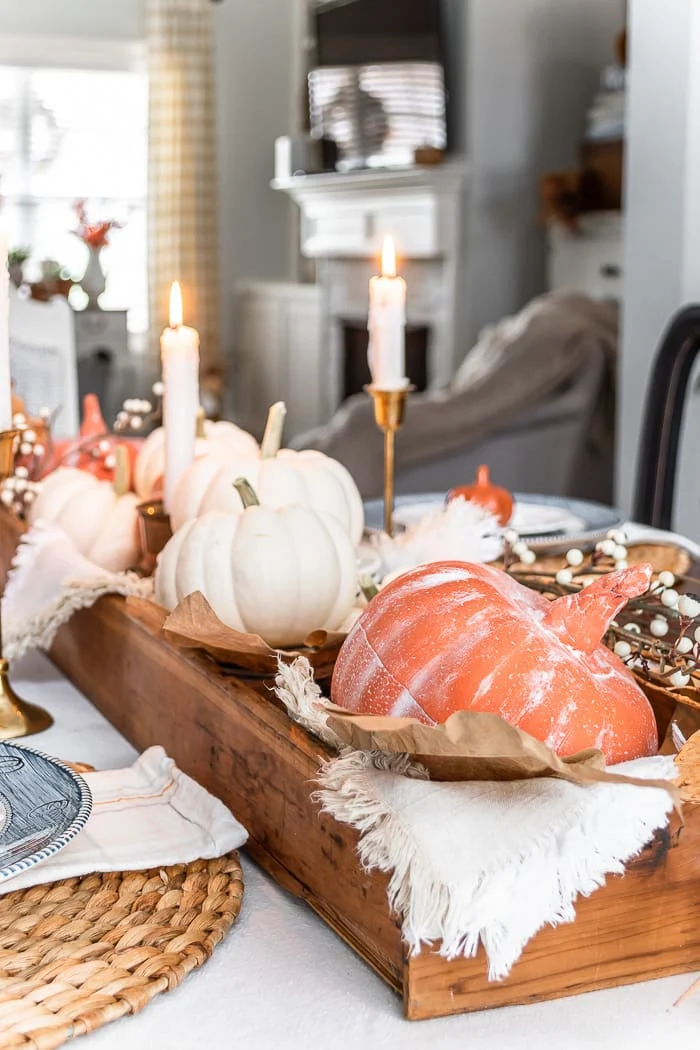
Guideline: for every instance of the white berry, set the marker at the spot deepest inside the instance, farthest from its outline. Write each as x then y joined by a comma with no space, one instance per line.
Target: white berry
22,472
38,449
158,388
519,547
622,564
623,649
606,547
670,598
684,644
617,536
574,556
688,607
7,497
528,557
511,536
678,679
659,627
633,628
564,576
666,578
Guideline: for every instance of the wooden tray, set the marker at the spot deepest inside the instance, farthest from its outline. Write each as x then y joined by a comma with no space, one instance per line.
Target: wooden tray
239,743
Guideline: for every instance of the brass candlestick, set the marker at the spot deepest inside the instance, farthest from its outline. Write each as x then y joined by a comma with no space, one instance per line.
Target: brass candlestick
389,413
17,717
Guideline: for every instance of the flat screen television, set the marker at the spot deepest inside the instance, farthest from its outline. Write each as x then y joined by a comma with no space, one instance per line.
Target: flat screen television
378,86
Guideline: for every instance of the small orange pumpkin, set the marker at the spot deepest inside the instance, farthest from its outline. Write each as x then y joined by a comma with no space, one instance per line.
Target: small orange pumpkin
451,636
489,496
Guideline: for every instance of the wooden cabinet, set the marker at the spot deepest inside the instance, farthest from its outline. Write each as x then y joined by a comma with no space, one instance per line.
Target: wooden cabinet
589,261
279,354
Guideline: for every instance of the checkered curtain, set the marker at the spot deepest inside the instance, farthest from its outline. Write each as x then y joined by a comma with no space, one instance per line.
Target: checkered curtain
182,189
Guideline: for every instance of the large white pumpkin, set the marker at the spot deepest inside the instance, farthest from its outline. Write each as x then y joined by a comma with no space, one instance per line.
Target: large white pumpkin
279,477
102,524
221,439
276,573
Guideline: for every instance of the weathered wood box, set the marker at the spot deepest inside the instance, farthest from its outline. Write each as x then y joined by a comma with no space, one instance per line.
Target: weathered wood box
239,743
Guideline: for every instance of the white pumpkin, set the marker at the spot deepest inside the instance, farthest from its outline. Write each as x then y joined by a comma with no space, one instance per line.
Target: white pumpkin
102,524
279,477
279,573
221,439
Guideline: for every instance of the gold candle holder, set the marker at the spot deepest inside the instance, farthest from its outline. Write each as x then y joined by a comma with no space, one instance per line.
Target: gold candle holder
154,532
17,717
389,414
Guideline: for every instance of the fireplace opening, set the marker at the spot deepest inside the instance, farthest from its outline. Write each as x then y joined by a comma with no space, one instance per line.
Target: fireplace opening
356,369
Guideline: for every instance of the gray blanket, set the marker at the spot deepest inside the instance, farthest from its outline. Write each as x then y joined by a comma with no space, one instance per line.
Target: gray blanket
515,365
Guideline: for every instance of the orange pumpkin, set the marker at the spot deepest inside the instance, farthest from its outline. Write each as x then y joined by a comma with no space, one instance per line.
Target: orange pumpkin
451,636
489,496
93,445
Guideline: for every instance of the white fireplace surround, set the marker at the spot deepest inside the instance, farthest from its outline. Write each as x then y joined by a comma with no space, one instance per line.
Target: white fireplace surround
344,218
290,336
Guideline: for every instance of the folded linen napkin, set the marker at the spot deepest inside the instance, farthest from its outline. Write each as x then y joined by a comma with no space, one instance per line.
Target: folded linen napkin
480,862
49,581
148,815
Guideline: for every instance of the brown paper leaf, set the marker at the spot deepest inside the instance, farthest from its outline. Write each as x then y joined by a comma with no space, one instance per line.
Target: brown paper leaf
473,745
688,762
193,624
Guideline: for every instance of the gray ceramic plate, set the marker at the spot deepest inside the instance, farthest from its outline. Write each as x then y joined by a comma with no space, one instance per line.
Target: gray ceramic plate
547,521
43,805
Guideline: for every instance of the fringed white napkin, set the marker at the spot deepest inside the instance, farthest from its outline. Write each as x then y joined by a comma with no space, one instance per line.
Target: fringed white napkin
480,862
48,582
146,816
461,531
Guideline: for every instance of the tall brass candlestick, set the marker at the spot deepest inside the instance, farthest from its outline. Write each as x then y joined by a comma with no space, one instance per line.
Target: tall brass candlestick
389,414
17,717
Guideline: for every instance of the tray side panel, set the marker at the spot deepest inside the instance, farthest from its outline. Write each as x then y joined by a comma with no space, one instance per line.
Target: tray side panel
242,748
638,927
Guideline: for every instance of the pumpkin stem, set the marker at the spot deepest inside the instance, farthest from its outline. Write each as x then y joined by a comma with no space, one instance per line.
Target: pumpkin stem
272,438
120,483
247,493
199,431
582,619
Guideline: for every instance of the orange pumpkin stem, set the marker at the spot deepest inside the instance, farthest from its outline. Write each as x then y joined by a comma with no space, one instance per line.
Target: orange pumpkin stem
582,619
482,476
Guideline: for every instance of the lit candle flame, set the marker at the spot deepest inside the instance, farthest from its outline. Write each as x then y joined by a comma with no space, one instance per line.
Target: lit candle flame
388,257
175,305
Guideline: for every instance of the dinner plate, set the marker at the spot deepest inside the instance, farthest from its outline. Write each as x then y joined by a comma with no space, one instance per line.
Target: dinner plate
43,805
542,521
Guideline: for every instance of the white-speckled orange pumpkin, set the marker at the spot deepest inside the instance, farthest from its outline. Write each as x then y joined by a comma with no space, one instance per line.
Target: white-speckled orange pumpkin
452,636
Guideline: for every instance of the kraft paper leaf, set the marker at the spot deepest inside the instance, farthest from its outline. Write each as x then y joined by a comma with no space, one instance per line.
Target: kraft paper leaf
473,745
688,762
193,624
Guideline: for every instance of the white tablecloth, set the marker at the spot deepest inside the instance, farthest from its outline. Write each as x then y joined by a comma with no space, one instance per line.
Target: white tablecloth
283,979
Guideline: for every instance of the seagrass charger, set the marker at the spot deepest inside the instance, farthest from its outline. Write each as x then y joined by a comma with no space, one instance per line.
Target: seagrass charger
79,953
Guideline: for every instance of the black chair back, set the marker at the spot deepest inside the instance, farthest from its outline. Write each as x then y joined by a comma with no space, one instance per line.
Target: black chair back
661,428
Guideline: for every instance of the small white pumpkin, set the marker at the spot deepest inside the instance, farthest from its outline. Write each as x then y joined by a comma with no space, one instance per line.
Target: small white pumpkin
222,439
279,573
102,523
279,477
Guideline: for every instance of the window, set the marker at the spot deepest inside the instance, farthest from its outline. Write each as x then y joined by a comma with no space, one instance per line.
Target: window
67,134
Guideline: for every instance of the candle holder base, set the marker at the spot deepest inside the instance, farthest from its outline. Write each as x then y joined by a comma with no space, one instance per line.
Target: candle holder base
154,532
18,717
389,414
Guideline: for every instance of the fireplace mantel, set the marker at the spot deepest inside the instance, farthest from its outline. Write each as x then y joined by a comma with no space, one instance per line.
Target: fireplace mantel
344,217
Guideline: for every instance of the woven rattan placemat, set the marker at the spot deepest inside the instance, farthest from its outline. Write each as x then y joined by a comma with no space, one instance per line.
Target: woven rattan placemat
77,954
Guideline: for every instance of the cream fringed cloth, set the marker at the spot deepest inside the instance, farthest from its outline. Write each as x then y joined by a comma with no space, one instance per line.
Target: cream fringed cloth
48,582
480,862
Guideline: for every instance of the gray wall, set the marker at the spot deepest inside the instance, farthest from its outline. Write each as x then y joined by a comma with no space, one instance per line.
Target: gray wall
662,264
532,68
256,48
